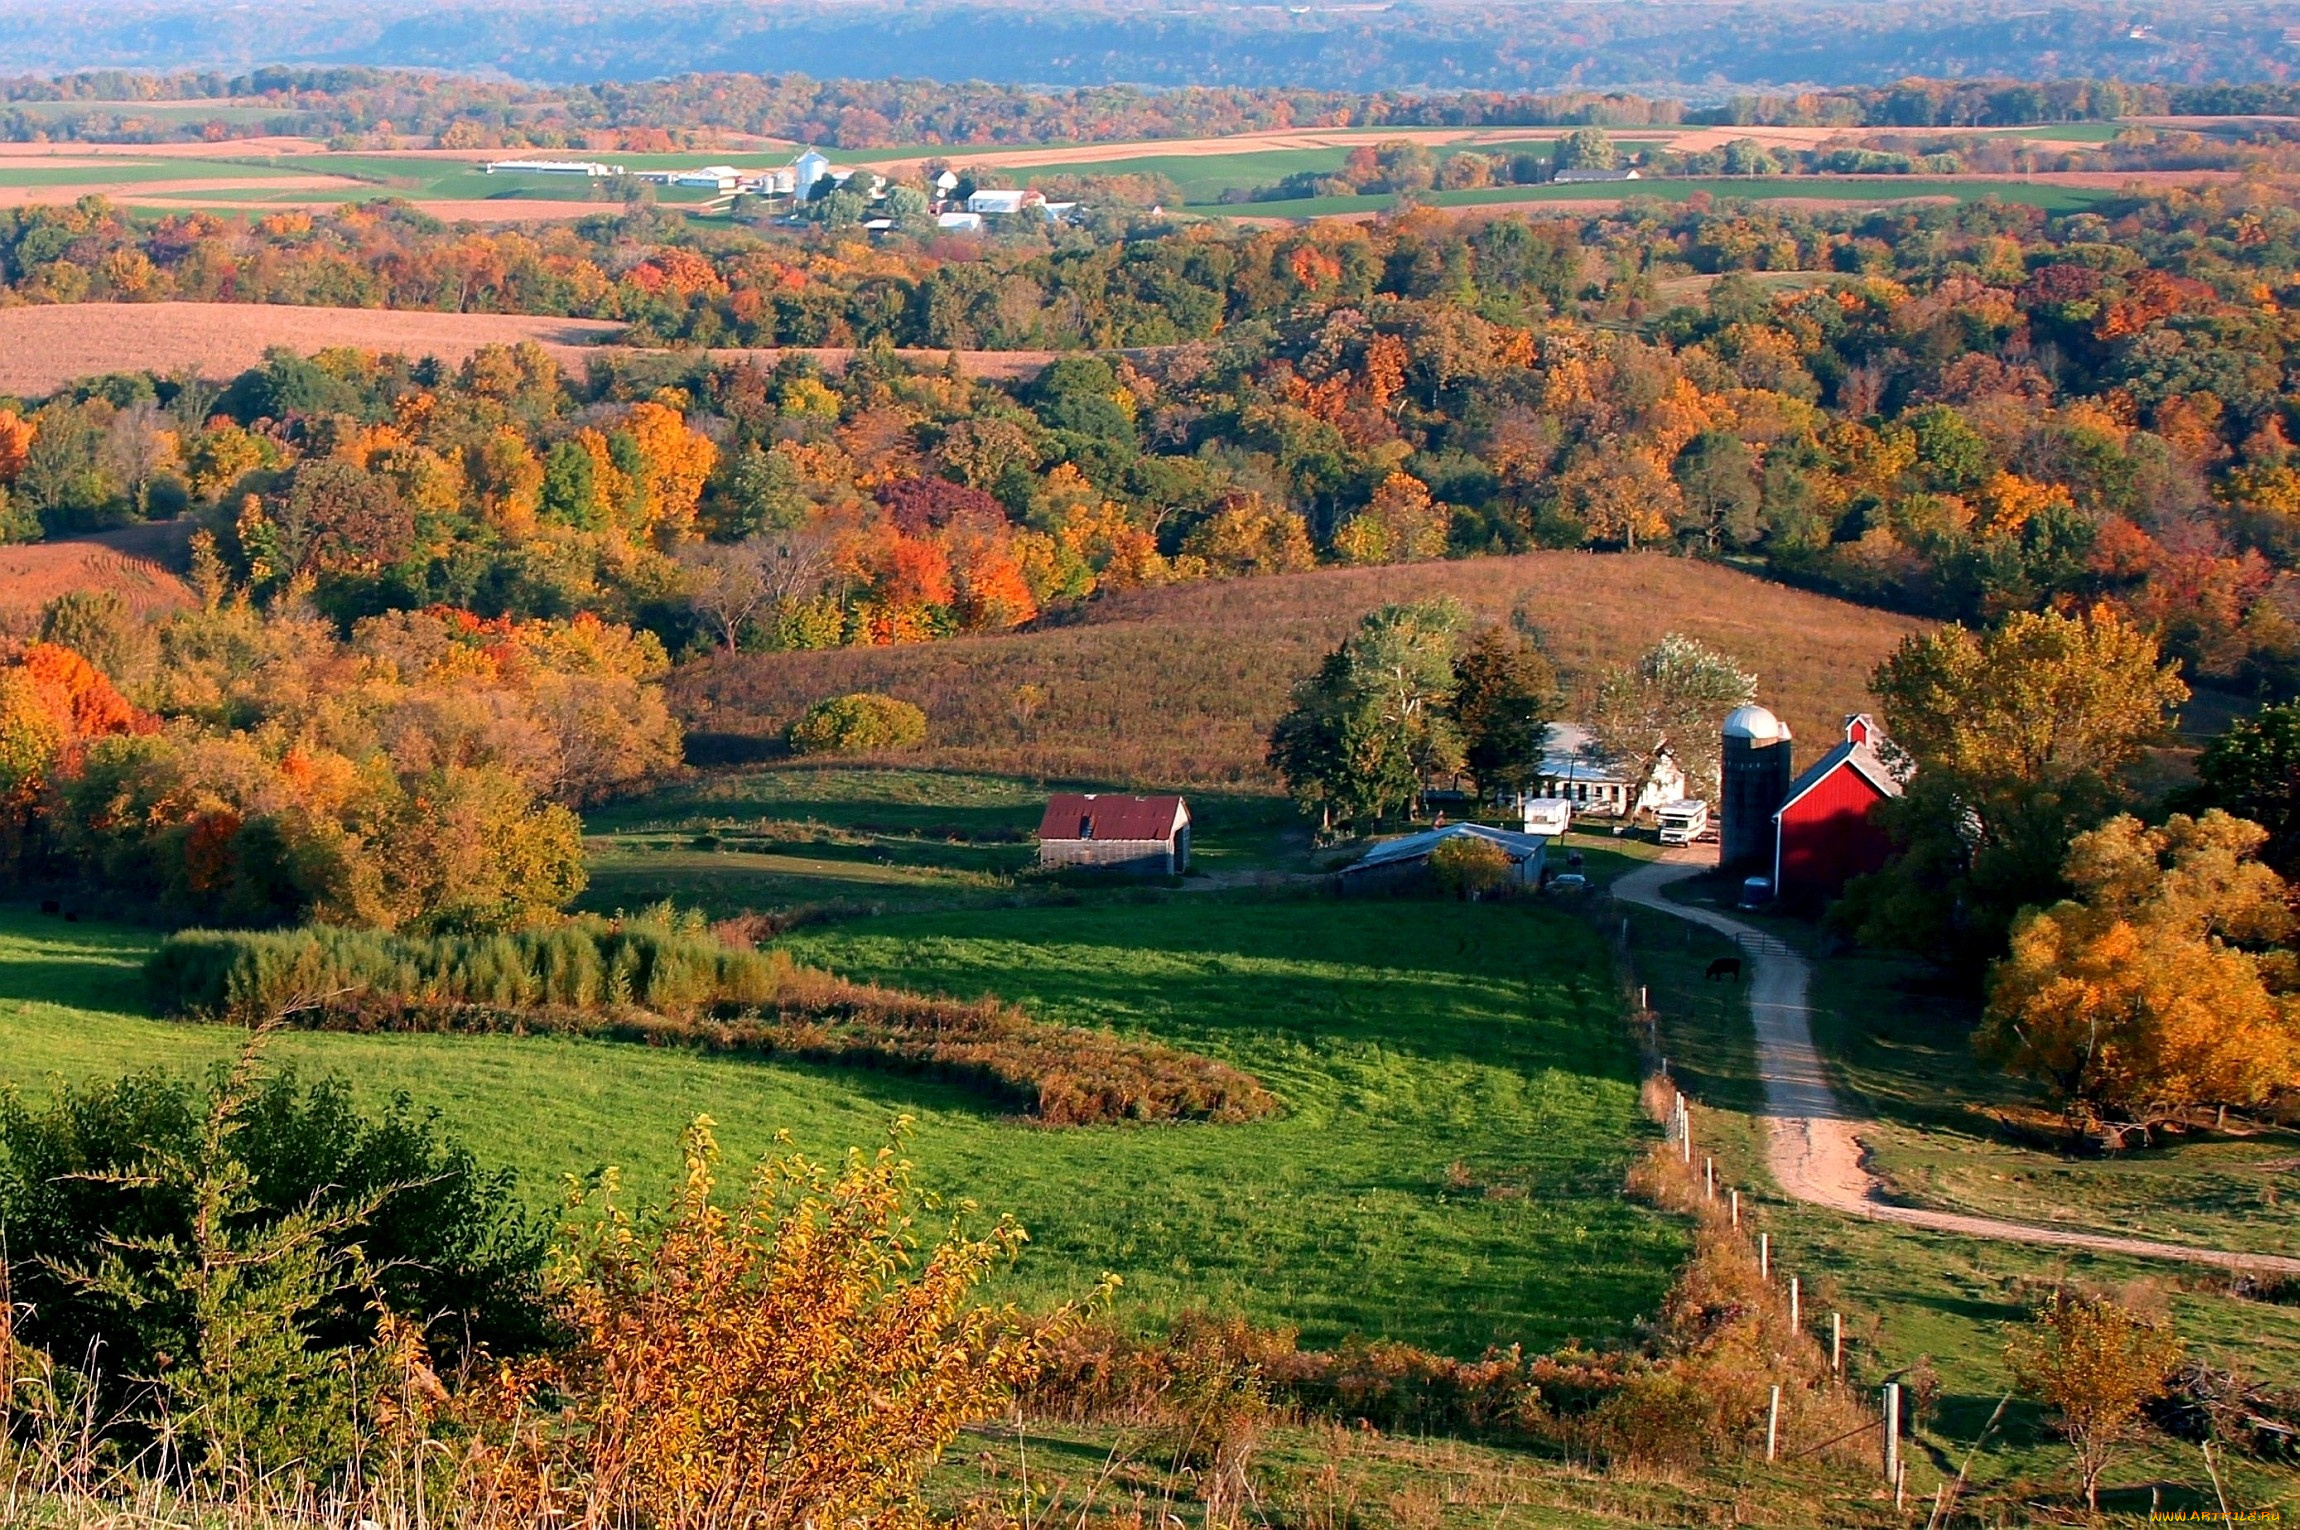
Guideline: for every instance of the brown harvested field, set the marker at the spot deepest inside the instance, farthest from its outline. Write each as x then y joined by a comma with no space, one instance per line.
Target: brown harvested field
1179,686
447,210
44,347
192,190
139,563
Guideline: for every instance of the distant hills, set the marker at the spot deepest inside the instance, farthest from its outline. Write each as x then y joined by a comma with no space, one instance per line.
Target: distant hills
1695,50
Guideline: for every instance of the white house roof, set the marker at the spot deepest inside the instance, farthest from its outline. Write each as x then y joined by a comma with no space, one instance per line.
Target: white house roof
963,222
1572,751
995,202
1412,847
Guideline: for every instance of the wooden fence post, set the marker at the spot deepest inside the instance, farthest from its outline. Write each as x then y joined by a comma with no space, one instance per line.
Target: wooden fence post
1736,1208
1773,1426
1709,1175
1794,1325
1836,1344
1765,1256
1893,1434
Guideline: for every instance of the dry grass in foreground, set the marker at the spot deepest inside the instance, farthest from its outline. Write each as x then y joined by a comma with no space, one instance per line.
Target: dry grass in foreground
1180,685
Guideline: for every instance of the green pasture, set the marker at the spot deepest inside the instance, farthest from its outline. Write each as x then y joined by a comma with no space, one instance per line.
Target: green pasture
1909,1295
1850,189
842,836
1202,177
2058,132
1402,1036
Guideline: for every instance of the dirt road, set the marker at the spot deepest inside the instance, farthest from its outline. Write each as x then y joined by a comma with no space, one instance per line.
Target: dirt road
1812,1143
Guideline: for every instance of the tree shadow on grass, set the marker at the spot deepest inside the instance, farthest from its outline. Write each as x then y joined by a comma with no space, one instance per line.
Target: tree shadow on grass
82,965
1434,981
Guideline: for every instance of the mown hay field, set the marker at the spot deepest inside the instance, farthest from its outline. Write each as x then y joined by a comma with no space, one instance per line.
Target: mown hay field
1400,1036
1179,686
45,347
138,564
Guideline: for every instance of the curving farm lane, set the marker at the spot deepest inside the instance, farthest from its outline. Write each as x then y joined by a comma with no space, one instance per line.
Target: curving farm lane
1812,1143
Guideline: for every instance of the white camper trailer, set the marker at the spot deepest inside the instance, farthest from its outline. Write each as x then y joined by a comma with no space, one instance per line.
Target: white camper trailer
1682,823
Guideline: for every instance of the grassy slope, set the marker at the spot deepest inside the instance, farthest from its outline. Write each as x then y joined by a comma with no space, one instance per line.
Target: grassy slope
882,838
1400,1036
1180,685
1909,1294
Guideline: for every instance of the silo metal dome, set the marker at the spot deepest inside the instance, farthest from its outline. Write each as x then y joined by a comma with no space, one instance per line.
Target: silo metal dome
1754,723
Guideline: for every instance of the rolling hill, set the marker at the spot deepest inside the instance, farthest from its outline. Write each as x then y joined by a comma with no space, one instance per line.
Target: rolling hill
1179,686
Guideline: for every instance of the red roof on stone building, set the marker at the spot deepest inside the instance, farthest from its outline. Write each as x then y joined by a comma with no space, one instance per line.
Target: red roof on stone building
1104,815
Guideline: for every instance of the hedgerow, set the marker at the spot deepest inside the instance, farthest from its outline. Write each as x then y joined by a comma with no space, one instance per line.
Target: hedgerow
668,984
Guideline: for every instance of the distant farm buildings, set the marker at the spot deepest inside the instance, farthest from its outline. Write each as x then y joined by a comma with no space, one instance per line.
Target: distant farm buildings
1144,836
811,175
1593,177
583,167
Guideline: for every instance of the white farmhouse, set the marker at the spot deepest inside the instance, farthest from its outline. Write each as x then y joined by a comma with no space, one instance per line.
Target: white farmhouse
1577,769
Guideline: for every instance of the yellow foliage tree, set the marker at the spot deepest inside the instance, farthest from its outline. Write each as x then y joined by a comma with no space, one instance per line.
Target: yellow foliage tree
2138,997
1621,493
1402,524
679,463
2009,502
801,1359
508,479
1250,535
2094,1363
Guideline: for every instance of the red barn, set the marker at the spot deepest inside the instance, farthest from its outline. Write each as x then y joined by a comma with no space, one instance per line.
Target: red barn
1147,836
1825,832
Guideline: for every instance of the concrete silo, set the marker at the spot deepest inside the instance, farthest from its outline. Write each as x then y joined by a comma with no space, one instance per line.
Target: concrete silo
1757,773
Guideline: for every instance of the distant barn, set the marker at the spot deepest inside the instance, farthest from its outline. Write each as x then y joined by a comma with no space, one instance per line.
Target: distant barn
1147,836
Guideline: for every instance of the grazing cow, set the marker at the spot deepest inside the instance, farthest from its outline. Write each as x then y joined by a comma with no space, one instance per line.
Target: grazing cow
1724,966
50,906
71,916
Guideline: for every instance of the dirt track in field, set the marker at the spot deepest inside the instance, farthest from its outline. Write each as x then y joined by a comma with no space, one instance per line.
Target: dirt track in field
1812,1142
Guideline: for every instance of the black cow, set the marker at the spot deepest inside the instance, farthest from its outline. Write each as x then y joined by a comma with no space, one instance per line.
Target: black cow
1724,966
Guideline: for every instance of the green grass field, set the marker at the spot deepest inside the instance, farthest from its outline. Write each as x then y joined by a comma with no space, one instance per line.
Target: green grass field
886,838
1400,1036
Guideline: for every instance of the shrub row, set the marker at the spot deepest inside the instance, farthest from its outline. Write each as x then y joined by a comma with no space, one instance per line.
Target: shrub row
667,986
582,964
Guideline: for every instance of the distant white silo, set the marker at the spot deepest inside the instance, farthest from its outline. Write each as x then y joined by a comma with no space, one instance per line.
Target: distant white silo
1757,773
